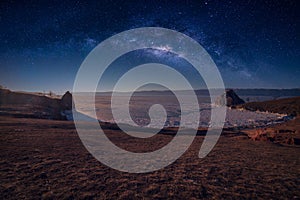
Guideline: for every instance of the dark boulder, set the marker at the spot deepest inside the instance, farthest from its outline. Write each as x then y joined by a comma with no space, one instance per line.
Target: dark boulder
66,101
231,98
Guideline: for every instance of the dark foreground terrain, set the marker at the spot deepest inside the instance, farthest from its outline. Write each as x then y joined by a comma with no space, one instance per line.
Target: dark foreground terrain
45,159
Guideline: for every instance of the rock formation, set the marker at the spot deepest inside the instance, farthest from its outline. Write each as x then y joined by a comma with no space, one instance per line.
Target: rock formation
66,101
231,98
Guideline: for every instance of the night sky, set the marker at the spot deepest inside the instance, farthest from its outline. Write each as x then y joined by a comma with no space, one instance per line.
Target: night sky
255,44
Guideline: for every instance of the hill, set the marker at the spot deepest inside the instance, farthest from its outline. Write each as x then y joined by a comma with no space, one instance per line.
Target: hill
289,106
22,104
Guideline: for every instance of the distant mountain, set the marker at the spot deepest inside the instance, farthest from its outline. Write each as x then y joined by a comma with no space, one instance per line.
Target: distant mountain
268,94
276,93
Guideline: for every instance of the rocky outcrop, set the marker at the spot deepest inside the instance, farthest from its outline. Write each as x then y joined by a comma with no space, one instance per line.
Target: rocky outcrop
231,98
66,101
66,106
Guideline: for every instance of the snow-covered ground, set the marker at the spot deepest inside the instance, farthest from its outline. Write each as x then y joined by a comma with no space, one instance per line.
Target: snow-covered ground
234,117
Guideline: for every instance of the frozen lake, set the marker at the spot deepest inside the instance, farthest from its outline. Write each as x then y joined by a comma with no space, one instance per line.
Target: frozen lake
171,115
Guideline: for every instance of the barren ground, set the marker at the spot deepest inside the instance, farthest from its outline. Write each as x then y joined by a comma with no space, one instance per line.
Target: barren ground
45,159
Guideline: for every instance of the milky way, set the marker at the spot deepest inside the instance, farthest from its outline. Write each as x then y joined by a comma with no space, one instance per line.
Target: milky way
254,43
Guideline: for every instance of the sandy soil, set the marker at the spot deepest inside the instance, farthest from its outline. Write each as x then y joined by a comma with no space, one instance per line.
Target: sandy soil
45,159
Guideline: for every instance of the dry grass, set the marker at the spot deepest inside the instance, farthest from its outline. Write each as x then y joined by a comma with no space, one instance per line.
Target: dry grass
45,159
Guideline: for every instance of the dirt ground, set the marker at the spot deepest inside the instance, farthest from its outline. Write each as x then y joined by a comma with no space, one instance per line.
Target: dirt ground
45,159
